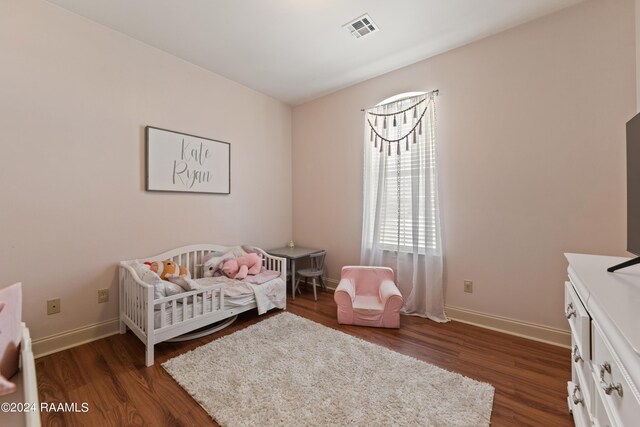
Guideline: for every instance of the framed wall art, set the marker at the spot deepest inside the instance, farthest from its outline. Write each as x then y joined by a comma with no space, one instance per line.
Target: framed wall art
181,162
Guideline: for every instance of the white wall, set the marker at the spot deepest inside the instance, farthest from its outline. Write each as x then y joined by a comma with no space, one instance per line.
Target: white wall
531,142
74,100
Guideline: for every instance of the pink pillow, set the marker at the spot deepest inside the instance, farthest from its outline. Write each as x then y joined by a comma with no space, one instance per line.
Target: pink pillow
10,319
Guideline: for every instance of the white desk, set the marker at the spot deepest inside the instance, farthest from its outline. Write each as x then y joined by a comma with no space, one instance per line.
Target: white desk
293,254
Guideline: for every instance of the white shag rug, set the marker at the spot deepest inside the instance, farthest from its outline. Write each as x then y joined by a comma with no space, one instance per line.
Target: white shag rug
290,371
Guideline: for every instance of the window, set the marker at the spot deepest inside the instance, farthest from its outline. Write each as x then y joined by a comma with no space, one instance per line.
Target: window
400,175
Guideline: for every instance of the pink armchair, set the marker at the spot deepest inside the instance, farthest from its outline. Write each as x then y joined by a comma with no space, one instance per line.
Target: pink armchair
368,296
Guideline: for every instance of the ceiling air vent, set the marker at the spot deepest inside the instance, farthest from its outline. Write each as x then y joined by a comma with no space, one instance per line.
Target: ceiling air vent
361,26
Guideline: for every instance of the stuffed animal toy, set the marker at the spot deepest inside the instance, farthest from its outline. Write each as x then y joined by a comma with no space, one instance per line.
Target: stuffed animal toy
213,261
239,268
167,269
174,273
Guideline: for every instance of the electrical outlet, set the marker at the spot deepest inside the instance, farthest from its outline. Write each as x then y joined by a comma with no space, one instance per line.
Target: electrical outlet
468,286
53,306
103,295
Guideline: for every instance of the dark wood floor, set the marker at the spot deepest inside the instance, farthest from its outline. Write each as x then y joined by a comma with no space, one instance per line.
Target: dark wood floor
109,374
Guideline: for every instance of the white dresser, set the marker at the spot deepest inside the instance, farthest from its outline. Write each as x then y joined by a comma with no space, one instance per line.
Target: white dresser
603,310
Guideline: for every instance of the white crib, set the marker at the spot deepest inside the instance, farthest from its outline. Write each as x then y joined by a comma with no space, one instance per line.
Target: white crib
198,308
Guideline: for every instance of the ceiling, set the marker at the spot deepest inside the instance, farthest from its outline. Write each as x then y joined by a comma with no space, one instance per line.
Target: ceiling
297,50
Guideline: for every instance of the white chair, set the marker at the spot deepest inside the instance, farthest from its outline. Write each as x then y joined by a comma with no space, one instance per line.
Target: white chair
316,270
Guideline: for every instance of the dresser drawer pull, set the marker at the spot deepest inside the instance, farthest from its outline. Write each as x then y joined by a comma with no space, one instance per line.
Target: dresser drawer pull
608,387
570,311
576,355
577,400
605,367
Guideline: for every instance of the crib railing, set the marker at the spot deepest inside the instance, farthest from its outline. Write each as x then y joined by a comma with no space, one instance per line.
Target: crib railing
134,299
135,296
192,261
202,302
274,263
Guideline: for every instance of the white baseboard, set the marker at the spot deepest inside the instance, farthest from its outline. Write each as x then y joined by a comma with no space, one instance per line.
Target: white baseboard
509,326
75,337
331,283
519,328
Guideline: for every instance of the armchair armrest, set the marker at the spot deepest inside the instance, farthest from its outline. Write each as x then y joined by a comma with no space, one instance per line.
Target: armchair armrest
392,299
345,289
390,296
387,290
343,296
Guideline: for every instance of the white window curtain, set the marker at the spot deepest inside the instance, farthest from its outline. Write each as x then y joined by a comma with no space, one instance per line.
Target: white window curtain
401,220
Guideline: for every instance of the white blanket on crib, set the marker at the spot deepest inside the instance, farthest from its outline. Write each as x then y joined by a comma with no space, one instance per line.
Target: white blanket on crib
271,294
268,295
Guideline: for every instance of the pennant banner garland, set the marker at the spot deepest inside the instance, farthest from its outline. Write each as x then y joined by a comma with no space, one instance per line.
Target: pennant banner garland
394,120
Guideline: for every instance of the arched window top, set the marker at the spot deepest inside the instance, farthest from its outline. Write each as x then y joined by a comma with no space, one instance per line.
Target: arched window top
399,97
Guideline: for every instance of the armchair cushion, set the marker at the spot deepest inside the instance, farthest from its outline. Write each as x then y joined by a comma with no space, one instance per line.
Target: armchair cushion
368,296
367,304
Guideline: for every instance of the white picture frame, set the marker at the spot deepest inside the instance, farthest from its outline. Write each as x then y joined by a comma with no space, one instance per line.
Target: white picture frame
179,162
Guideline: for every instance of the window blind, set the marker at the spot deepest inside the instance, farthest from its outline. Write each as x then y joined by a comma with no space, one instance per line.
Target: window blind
405,222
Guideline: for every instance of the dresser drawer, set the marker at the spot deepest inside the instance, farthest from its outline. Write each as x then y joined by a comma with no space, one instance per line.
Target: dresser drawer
577,405
600,414
579,322
613,385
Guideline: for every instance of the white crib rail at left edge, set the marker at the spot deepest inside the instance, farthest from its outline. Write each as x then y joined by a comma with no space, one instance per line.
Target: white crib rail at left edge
22,408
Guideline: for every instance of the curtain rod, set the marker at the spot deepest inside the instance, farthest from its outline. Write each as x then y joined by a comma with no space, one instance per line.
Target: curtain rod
434,92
